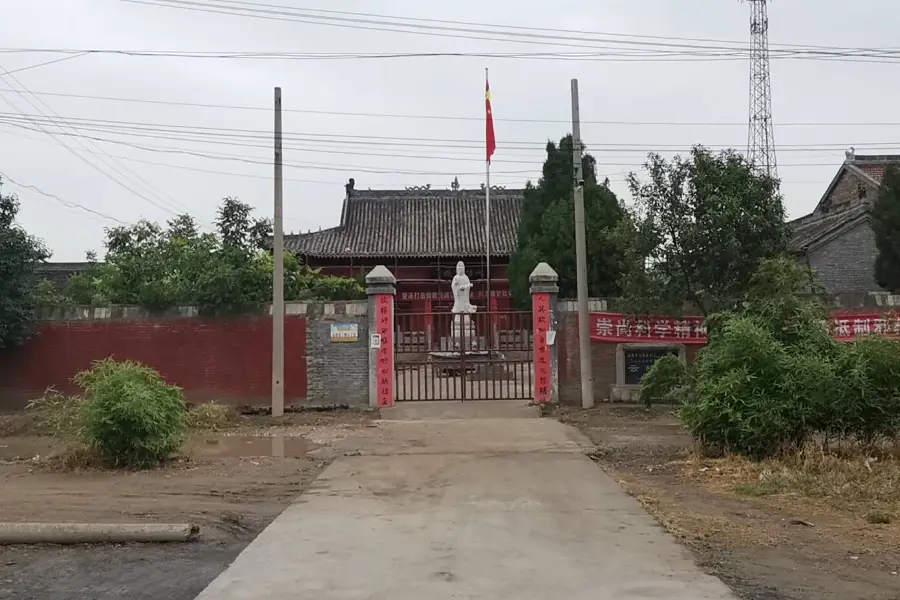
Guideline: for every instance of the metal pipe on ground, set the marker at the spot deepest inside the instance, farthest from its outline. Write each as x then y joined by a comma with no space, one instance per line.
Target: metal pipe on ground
95,533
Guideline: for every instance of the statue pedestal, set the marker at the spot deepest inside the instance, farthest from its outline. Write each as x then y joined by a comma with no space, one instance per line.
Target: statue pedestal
457,363
463,333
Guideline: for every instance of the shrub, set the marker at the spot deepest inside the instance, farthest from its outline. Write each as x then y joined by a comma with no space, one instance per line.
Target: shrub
767,381
133,417
742,401
772,378
667,381
869,390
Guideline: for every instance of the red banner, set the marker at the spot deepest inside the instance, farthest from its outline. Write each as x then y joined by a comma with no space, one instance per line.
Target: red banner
846,327
476,295
540,307
384,349
616,327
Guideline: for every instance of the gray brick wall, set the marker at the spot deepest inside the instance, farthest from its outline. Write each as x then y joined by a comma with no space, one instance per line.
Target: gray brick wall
846,194
337,373
847,263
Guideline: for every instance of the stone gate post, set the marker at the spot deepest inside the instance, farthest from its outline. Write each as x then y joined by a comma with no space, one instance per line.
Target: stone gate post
544,292
380,289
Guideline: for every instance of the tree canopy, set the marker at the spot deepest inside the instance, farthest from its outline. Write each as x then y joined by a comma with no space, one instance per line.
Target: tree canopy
20,253
702,226
885,217
224,272
547,229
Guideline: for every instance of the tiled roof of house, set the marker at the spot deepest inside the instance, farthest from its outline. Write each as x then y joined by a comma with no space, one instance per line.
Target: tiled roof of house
808,230
417,222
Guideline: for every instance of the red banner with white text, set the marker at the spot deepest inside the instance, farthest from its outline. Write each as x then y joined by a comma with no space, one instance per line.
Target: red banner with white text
617,327
845,327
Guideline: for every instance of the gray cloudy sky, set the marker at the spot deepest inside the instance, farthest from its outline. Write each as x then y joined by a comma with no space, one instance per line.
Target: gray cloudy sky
710,94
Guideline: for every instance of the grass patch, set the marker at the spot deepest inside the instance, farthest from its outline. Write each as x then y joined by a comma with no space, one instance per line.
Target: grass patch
210,416
57,414
864,481
758,489
879,518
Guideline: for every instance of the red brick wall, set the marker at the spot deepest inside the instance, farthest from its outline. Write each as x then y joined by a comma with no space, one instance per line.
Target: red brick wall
224,359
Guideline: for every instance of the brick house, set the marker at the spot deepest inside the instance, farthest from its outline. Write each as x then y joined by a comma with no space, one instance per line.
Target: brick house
836,240
419,233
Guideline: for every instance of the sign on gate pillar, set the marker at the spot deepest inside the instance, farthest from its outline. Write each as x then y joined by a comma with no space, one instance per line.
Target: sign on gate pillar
380,288
544,290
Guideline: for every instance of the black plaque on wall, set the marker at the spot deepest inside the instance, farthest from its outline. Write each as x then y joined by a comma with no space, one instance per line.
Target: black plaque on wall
639,361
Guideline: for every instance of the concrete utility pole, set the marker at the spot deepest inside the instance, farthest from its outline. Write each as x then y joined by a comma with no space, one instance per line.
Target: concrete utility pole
278,276
584,340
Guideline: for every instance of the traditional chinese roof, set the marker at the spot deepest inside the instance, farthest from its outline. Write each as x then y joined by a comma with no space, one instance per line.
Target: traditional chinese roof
416,222
813,232
868,168
829,219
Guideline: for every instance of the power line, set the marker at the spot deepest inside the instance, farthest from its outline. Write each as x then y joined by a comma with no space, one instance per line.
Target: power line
44,64
233,173
218,134
880,56
367,169
681,51
147,186
535,162
739,43
457,117
67,147
67,204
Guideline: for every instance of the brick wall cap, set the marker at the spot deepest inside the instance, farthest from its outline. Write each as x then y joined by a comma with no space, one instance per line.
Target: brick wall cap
543,273
379,276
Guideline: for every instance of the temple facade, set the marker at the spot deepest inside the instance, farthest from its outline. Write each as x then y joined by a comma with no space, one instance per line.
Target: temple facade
420,234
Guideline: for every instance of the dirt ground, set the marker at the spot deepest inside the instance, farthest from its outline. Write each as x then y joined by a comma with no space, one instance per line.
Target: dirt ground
226,482
779,547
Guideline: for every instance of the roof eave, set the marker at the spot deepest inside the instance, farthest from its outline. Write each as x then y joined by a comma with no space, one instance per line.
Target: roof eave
837,230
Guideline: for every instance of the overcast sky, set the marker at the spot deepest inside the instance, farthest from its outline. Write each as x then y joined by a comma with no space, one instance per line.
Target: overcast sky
126,183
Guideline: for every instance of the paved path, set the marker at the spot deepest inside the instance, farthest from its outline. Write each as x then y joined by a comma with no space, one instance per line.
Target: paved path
480,508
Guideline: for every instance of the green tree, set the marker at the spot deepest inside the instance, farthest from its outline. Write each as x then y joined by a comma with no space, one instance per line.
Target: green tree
226,272
547,229
885,217
20,253
702,226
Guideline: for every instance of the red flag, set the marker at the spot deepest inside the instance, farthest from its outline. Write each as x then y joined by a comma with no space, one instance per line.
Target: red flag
489,121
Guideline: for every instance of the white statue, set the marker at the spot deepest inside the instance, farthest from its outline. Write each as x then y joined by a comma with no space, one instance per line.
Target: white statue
461,287
463,327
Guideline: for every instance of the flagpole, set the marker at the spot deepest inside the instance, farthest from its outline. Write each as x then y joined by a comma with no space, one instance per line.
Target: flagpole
487,221
487,228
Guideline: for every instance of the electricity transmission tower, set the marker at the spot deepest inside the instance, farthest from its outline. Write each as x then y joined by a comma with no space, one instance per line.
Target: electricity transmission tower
761,137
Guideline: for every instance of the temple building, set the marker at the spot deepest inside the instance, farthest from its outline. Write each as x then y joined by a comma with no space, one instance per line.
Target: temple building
420,234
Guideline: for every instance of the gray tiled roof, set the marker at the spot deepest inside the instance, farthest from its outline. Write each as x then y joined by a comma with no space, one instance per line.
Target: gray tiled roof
808,230
417,222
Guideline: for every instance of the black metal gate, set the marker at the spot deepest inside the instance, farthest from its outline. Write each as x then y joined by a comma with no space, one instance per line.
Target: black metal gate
482,356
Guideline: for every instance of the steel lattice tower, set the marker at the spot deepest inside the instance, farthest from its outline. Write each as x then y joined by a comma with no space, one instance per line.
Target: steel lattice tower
761,137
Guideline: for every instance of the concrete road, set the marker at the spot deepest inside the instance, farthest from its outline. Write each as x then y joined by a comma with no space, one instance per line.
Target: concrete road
484,508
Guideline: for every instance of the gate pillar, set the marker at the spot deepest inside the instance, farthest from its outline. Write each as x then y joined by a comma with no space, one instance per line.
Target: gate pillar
380,289
544,292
